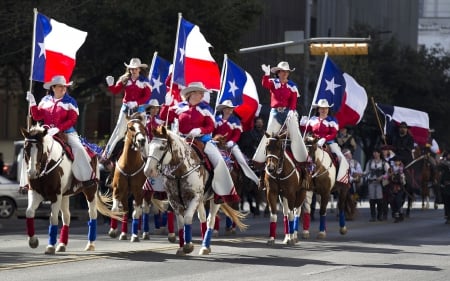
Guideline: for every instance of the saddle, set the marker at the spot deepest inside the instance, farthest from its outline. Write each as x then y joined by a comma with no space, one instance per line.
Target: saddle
61,138
199,148
333,156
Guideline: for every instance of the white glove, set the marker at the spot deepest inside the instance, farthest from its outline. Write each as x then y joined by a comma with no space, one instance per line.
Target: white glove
304,121
230,144
53,131
169,99
195,132
321,142
109,80
31,99
132,104
266,69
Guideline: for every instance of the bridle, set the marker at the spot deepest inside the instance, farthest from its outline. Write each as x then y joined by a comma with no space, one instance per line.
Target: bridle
280,162
44,159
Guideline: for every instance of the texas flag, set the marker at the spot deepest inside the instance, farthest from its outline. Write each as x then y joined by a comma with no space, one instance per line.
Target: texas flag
55,47
239,87
159,71
347,97
417,121
193,61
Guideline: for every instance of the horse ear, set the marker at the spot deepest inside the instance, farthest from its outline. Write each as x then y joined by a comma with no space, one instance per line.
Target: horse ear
164,130
267,134
24,132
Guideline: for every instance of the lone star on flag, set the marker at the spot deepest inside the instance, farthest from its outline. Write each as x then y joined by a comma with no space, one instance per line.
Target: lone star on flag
233,87
331,85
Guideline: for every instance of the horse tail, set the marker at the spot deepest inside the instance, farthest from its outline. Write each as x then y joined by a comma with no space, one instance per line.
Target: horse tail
104,206
235,216
161,205
350,206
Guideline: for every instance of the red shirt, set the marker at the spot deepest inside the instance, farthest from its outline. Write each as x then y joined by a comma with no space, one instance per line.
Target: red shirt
230,128
138,90
323,128
281,94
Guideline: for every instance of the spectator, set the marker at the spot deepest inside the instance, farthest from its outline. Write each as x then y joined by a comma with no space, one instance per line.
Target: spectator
250,140
356,173
396,188
345,140
403,144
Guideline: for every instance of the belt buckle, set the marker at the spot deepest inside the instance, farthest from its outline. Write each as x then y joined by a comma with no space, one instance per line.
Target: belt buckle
281,109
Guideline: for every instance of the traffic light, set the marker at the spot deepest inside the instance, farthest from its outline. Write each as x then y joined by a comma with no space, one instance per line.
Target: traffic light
338,49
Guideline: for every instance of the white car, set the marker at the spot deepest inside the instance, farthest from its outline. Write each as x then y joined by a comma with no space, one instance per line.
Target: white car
11,198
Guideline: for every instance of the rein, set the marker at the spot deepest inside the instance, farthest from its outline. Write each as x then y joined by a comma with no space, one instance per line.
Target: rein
46,169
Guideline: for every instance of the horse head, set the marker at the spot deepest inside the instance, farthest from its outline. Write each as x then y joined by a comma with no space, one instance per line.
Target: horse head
158,151
311,144
36,152
136,136
275,151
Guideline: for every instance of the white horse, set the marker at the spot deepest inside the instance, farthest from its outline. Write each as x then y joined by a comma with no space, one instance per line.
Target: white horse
185,178
49,172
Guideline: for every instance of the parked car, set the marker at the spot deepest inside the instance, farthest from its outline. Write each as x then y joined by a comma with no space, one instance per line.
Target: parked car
11,198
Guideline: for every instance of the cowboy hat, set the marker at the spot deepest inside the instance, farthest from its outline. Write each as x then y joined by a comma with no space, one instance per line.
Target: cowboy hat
57,80
283,65
225,104
322,103
135,63
154,103
193,87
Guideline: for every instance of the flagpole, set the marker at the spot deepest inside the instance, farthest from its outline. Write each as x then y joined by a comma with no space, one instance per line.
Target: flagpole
180,16
222,78
152,65
33,45
378,120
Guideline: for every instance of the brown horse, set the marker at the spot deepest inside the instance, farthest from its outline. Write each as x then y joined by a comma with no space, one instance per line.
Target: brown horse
129,177
284,181
323,183
49,172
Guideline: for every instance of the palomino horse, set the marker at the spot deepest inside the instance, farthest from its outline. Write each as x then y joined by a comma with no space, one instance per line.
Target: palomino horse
185,180
286,181
49,171
323,183
129,177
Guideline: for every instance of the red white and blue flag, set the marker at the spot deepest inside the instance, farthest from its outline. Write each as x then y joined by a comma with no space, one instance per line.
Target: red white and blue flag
192,60
55,48
159,71
239,87
347,97
417,121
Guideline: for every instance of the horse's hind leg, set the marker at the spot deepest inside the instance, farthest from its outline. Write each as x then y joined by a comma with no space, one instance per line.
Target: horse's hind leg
53,228
206,243
64,232
145,220
324,198
342,204
137,213
92,224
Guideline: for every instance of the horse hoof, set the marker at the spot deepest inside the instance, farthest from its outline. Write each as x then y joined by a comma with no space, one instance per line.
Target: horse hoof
305,234
33,242
286,241
180,252
188,248
343,230
271,242
90,247
215,233
321,235
204,251
172,238
145,236
50,250
134,238
61,248
112,233
123,236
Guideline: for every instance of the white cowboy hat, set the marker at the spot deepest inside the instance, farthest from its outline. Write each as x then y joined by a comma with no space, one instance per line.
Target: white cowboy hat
282,65
193,87
225,104
135,63
57,80
322,103
154,103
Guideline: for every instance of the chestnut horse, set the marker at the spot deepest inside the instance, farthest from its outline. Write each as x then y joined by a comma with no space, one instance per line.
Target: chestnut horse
129,177
185,178
323,183
49,172
284,181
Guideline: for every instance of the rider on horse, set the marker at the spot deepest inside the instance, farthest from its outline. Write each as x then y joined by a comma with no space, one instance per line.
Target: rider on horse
325,128
137,94
229,126
197,121
59,111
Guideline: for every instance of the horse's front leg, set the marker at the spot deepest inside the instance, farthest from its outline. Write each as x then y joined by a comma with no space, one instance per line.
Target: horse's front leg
180,226
53,227
113,231
272,203
92,224
306,214
288,221
342,204
34,199
64,232
137,213
188,215
211,221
